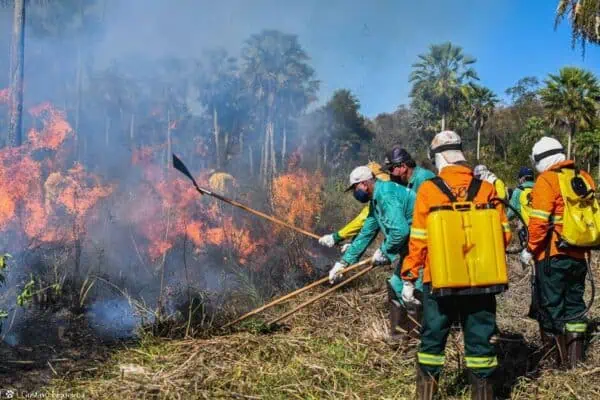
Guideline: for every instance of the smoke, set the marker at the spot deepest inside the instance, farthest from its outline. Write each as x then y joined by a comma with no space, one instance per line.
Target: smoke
128,76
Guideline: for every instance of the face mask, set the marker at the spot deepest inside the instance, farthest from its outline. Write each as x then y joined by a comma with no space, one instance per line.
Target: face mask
396,179
361,195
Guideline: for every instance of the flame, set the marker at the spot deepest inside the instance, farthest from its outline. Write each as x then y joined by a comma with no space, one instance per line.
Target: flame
174,210
55,129
297,197
45,208
43,199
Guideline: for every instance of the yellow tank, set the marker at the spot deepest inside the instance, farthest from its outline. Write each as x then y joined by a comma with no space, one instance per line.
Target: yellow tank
465,247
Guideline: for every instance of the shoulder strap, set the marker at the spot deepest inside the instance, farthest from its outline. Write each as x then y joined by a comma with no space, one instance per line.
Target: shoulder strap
439,182
473,189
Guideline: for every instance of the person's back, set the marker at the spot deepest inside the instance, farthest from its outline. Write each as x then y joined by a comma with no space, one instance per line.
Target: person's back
520,199
475,310
560,269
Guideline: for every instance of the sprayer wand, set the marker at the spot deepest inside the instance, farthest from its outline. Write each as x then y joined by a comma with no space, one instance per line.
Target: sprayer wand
180,166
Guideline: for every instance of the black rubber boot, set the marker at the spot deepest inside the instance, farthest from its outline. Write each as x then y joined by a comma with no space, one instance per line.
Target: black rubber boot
414,315
575,343
426,385
556,348
398,320
481,388
398,317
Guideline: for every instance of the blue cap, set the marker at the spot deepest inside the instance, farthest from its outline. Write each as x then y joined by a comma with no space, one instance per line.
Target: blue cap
525,171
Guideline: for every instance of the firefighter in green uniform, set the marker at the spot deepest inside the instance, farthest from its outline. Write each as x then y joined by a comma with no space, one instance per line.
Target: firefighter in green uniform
404,170
390,210
519,197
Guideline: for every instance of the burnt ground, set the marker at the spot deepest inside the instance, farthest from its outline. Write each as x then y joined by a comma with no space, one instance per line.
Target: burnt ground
55,351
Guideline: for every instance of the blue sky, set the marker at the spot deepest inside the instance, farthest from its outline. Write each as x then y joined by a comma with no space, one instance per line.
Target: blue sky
365,46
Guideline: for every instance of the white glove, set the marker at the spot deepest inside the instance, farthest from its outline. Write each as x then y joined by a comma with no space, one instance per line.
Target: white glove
335,273
408,293
346,247
327,241
526,257
379,258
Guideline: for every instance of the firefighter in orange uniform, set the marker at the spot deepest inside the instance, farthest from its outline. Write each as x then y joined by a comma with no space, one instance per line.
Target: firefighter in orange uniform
560,271
476,310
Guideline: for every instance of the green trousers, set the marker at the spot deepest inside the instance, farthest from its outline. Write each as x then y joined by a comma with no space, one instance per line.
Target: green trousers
560,287
477,316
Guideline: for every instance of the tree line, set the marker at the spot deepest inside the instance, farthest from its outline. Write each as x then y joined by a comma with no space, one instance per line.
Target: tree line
246,112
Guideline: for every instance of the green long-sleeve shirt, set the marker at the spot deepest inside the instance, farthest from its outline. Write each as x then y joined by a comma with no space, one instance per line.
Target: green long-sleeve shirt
390,210
419,176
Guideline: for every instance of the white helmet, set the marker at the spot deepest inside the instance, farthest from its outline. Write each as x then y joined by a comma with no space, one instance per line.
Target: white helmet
480,171
446,148
546,152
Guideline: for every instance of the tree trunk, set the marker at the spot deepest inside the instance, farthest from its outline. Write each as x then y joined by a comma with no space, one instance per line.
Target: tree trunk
589,163
169,145
478,141
571,134
324,155
216,132
132,128
17,60
599,163
283,145
272,143
263,158
106,129
78,85
251,160
443,122
226,148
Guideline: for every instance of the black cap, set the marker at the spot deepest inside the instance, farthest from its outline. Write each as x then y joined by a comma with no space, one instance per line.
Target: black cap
396,156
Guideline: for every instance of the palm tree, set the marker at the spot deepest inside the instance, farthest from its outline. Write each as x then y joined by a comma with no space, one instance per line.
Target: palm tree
586,145
584,16
440,75
570,98
217,88
17,57
482,102
275,67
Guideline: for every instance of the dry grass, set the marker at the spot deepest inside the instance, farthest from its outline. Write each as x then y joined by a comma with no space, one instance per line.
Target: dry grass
335,349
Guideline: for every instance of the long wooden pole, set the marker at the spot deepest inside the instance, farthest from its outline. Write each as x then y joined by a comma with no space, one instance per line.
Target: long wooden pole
320,296
294,293
178,165
260,214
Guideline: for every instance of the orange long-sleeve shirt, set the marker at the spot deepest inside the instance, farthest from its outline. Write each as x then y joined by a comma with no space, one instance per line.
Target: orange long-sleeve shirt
458,178
548,208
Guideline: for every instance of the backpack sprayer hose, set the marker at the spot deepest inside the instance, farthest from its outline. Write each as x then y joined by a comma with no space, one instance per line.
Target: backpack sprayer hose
523,240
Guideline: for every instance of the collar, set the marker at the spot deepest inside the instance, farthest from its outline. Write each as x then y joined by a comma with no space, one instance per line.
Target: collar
455,170
562,164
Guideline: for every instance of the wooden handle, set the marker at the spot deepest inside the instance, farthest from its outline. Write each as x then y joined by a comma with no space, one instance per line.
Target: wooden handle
263,215
320,296
294,293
